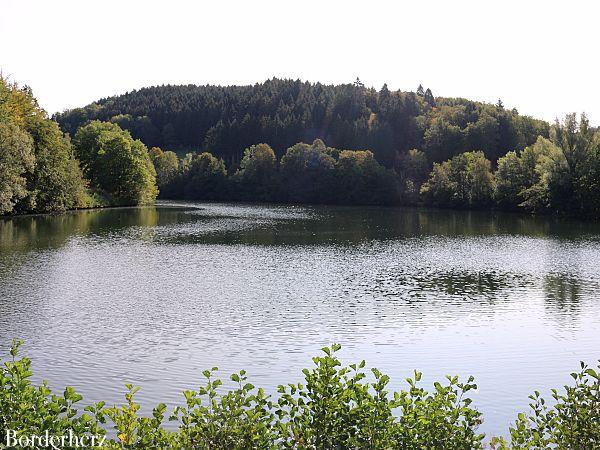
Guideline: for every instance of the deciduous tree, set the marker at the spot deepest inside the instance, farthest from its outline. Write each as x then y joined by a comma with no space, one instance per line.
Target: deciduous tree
117,165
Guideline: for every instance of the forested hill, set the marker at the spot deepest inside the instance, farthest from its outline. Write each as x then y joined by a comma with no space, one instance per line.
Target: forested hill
226,120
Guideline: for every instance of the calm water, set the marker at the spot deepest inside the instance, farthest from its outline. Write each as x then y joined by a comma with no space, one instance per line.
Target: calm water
152,296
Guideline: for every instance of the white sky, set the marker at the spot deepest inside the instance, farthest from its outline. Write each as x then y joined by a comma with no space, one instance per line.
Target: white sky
538,56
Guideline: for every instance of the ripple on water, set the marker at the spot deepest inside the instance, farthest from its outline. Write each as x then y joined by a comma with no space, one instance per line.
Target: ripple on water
155,295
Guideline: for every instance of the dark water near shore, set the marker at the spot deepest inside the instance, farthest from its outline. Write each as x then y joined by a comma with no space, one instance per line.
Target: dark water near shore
154,295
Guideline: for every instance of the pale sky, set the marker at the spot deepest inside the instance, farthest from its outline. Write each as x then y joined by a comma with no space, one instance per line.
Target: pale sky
540,57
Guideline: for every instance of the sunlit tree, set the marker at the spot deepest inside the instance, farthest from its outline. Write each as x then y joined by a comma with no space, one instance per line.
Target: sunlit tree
16,161
118,166
464,181
258,173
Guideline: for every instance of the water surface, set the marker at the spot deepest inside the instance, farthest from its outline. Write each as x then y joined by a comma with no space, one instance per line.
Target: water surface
152,296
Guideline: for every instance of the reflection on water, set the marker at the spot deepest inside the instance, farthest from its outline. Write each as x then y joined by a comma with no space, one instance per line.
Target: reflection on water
22,234
564,292
154,295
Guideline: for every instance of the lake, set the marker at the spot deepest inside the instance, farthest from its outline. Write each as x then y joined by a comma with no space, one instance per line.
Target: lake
154,295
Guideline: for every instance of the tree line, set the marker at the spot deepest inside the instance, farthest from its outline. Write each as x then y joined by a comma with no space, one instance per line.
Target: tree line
555,174
465,154
227,120
306,173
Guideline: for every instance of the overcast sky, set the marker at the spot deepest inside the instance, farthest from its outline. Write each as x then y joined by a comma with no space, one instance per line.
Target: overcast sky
540,57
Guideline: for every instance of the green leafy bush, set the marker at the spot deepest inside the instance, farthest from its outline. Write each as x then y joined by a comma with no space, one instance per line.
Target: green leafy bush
35,410
336,407
573,422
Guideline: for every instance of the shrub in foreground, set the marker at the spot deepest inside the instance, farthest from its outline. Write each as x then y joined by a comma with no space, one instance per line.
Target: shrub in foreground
573,422
336,407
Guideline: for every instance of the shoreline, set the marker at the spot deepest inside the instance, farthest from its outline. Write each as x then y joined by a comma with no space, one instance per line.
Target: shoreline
420,206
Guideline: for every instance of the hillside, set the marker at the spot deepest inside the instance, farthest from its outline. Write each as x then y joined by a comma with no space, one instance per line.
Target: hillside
226,120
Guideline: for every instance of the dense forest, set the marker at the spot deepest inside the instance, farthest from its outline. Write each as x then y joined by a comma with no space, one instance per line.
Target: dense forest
558,174
293,141
227,120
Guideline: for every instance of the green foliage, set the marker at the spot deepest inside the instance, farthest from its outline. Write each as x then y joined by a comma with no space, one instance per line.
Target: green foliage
557,175
413,169
442,140
485,133
166,165
336,407
510,181
360,179
560,175
440,419
140,126
307,172
133,431
428,97
580,145
550,187
464,181
16,160
116,165
573,422
240,419
258,175
227,120
38,172
539,169
516,174
33,410
57,182
205,177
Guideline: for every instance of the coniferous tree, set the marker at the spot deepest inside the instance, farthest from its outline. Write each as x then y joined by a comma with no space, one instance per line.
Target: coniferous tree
428,96
227,120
